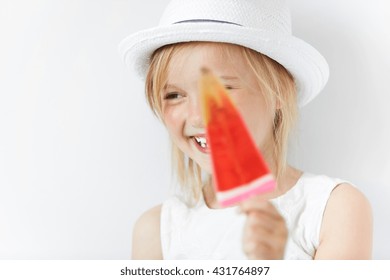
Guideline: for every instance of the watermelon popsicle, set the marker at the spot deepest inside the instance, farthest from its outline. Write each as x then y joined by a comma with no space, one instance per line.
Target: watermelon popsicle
239,170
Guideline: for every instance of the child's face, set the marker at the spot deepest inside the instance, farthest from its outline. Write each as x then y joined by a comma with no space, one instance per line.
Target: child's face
181,109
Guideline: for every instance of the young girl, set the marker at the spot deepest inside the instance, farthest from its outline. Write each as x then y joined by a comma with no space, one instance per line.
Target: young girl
269,74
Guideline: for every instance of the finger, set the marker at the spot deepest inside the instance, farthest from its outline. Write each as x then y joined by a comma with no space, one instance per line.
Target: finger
276,239
254,201
263,206
268,227
254,229
264,249
256,250
263,235
256,219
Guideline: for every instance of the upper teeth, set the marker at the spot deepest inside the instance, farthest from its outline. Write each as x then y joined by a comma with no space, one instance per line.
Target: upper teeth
202,141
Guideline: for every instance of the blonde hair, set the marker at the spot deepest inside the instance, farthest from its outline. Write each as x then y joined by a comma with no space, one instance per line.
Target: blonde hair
274,80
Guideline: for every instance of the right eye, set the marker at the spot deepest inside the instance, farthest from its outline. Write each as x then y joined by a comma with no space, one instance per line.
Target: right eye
172,95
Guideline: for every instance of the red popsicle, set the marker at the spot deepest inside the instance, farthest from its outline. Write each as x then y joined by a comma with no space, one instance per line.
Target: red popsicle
239,170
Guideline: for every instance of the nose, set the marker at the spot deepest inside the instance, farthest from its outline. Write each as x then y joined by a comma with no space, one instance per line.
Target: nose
195,113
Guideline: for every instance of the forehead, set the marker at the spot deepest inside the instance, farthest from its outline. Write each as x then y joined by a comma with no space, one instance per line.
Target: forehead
219,57
209,50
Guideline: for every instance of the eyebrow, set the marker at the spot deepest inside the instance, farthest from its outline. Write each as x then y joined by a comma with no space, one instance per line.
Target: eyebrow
171,86
229,78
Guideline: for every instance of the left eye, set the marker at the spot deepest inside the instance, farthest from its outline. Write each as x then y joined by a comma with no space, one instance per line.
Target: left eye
229,87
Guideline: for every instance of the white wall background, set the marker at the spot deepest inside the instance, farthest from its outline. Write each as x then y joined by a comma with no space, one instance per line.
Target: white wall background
81,155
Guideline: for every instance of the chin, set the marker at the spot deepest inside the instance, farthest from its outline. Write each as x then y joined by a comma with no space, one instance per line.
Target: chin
205,166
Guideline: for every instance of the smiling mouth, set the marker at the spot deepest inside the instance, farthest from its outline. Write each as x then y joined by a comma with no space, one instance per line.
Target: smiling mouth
201,143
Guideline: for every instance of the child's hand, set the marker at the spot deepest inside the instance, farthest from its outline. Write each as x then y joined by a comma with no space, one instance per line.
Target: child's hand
265,231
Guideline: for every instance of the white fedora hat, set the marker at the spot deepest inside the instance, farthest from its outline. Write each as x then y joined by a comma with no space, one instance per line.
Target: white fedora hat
261,25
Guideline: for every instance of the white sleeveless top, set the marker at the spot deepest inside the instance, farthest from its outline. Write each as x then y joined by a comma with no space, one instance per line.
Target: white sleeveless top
203,233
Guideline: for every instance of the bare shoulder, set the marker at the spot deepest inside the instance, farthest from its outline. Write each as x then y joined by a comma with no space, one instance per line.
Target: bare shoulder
346,197
346,231
146,243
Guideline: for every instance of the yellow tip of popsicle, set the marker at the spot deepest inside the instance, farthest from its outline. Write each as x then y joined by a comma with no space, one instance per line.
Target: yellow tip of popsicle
212,93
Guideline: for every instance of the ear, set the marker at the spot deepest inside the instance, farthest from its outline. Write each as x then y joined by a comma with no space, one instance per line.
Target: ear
278,118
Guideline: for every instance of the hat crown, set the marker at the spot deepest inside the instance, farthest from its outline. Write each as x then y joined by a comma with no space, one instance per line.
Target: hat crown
268,15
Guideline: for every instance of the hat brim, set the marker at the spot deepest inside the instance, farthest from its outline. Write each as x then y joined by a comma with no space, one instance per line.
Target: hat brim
308,67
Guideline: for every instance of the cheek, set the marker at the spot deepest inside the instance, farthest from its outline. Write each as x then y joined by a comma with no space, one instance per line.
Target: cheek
258,119
174,119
